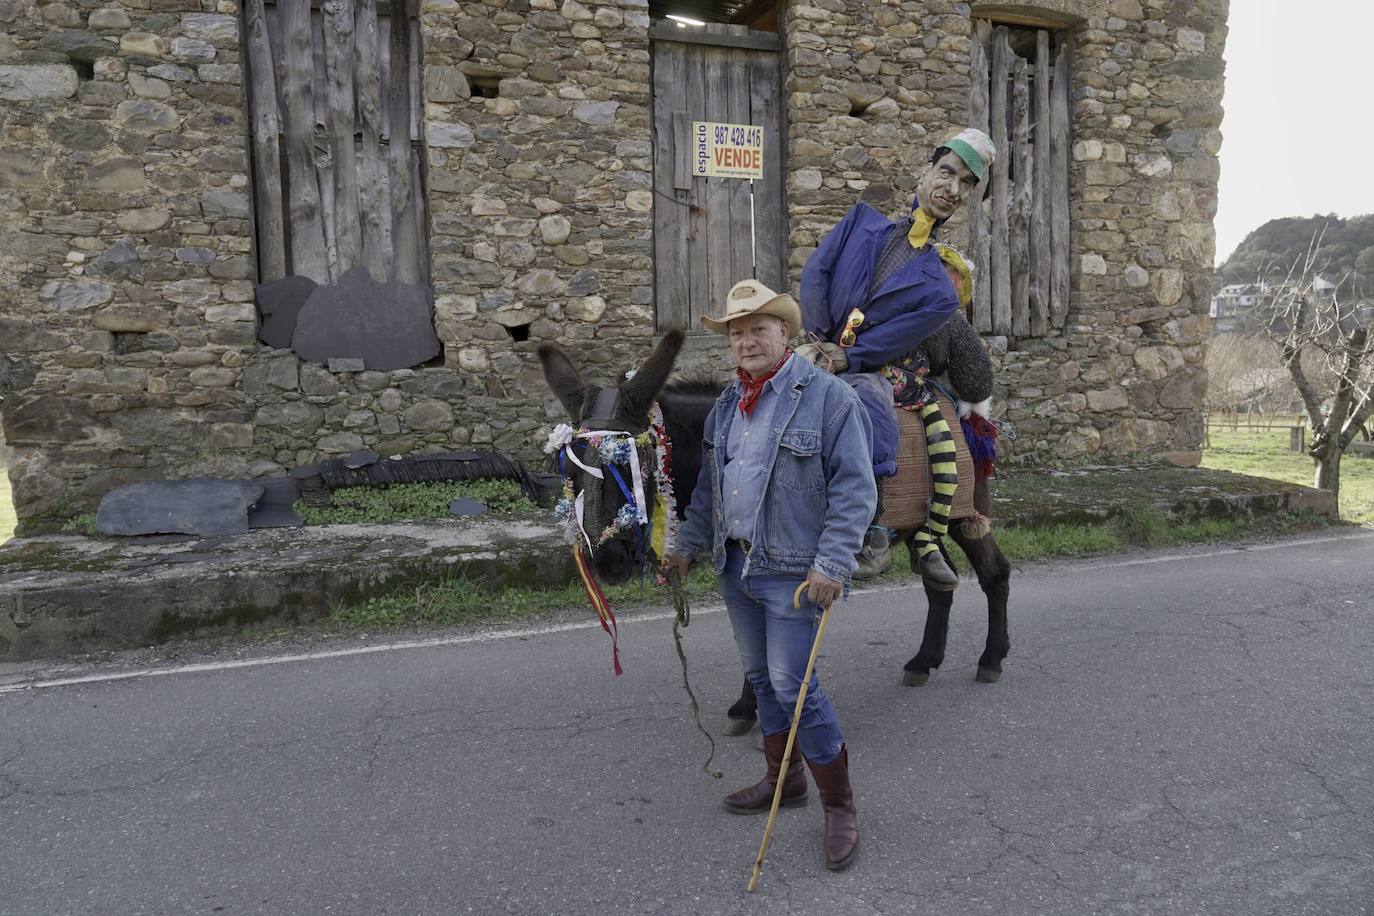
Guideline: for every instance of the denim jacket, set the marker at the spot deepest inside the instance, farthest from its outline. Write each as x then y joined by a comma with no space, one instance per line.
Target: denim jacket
819,492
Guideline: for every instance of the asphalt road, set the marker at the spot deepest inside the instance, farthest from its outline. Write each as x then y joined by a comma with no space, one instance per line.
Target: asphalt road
1175,733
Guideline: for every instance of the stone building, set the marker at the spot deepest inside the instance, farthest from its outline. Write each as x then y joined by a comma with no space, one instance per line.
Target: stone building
129,254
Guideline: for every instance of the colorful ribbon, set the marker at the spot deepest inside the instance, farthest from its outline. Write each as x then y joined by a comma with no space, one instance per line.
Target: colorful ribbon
600,604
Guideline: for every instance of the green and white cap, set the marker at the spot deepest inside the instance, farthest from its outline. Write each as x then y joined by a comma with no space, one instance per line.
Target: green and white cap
975,148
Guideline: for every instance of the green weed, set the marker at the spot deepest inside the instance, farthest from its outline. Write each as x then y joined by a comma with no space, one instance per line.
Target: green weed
82,524
415,501
454,600
1142,525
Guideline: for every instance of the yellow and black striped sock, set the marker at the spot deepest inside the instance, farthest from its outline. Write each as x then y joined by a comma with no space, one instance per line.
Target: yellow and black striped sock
944,477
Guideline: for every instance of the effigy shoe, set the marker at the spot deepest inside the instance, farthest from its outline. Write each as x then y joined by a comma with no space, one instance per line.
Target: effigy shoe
876,556
936,572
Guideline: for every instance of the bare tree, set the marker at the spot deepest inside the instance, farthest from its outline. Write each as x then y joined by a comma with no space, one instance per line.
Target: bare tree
1245,374
1310,324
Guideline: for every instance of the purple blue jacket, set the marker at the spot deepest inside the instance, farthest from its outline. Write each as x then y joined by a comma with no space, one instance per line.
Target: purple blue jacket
914,302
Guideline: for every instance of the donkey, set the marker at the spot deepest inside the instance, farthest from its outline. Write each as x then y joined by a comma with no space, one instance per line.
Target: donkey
685,404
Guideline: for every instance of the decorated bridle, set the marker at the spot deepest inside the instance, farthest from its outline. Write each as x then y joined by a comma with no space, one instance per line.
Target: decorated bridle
625,455
620,453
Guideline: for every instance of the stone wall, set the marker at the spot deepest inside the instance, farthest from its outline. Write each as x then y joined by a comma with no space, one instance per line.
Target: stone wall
127,344
538,172
126,311
1148,86
1127,374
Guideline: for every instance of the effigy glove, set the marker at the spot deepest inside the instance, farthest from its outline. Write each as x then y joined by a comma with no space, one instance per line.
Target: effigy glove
829,356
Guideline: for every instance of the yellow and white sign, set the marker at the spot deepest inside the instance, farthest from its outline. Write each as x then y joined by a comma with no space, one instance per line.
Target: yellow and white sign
726,150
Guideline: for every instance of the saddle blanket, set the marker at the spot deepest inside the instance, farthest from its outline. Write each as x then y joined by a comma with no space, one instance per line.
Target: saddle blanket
905,495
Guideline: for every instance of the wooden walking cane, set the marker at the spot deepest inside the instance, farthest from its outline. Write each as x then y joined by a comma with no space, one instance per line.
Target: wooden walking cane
791,736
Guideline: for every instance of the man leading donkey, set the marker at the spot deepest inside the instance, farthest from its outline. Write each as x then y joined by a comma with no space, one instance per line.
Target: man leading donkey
872,292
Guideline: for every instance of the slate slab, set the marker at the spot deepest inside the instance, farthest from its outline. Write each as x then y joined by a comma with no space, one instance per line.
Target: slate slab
279,304
200,506
386,325
274,508
361,459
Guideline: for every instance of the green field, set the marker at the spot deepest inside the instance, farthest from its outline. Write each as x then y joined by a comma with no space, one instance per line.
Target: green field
1264,453
6,506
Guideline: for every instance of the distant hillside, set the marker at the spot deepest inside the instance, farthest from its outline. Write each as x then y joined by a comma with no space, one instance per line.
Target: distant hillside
1347,246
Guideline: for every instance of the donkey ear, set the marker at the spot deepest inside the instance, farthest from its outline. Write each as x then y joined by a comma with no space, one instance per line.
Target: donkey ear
563,380
639,392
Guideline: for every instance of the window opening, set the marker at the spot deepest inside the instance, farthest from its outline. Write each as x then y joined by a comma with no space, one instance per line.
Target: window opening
1020,94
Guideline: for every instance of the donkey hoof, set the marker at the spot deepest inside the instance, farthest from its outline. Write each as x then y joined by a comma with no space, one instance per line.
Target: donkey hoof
915,678
737,727
988,675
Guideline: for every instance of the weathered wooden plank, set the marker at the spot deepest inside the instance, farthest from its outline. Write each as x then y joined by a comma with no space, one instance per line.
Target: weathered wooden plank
294,77
1021,201
339,62
671,143
321,149
719,265
405,227
712,35
1001,186
698,286
770,201
267,177
682,137
374,205
980,228
739,191
1058,187
1040,250
420,204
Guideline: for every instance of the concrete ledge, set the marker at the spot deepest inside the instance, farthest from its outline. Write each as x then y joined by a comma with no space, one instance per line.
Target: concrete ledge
1096,493
66,594
61,595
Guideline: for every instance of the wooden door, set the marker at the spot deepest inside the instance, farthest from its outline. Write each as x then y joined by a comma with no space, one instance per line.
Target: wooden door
710,233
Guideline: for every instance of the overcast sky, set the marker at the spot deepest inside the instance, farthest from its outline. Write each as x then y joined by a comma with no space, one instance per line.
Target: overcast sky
1299,125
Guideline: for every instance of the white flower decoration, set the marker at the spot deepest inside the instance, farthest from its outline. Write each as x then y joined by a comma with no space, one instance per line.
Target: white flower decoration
562,434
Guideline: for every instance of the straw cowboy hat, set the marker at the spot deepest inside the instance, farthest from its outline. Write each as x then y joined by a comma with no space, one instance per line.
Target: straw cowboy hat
750,297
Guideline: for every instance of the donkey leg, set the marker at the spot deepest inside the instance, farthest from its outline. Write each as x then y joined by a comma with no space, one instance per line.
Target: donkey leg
743,716
932,652
994,575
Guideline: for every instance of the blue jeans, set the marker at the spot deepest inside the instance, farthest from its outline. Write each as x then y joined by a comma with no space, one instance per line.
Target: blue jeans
774,642
875,393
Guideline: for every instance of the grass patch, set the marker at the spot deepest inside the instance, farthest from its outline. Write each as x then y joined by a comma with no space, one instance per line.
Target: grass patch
409,501
1264,453
1142,525
455,600
82,524
7,517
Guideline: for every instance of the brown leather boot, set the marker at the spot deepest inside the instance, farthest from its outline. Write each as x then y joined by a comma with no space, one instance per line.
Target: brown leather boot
758,798
841,819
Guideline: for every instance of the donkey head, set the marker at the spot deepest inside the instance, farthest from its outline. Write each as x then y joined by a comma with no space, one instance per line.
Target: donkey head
618,410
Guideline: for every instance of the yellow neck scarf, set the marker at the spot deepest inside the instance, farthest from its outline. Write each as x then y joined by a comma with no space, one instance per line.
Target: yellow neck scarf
922,225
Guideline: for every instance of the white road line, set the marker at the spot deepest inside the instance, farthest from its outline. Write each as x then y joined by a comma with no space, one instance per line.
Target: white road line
527,632
1229,551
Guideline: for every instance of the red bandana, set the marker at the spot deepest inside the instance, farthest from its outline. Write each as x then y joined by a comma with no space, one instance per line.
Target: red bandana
754,387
